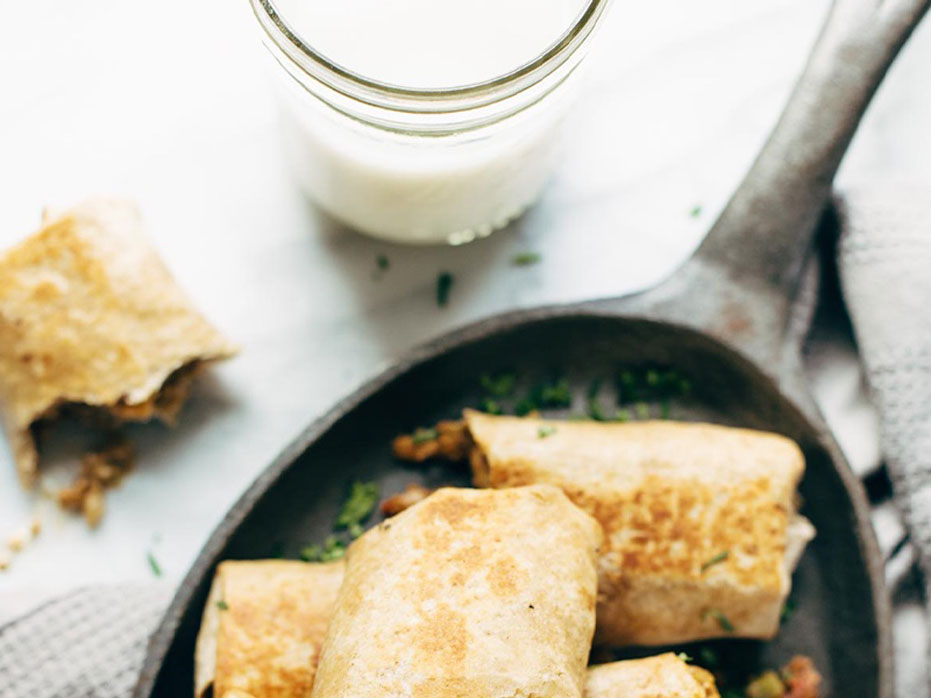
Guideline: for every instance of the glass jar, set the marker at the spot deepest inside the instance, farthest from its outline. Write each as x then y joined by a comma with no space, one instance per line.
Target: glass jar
418,165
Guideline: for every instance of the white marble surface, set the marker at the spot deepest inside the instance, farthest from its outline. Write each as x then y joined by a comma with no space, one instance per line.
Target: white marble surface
167,104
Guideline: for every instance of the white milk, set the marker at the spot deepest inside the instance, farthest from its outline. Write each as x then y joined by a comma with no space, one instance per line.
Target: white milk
410,186
430,43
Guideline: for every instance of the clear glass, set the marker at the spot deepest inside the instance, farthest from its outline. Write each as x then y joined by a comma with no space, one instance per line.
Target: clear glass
422,165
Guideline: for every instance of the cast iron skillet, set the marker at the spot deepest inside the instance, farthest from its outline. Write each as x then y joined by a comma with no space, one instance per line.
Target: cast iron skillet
723,319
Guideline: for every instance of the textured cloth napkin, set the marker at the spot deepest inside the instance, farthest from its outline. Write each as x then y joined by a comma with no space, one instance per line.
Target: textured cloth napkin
90,644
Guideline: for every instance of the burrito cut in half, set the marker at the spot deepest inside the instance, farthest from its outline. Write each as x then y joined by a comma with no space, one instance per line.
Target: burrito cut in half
663,676
263,626
467,593
700,522
90,318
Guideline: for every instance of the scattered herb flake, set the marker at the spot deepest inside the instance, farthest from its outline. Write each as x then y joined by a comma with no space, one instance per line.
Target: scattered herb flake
359,505
332,549
444,283
722,620
594,409
787,610
546,430
622,416
665,409
684,657
355,530
490,406
643,410
525,406
555,394
222,605
382,262
715,560
501,385
153,564
525,259
423,435
695,211
708,657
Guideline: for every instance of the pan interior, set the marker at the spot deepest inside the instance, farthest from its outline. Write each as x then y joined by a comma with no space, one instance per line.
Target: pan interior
834,619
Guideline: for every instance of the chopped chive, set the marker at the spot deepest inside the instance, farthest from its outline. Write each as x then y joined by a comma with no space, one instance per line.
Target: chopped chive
722,620
525,406
490,406
381,261
222,605
501,385
423,435
684,657
715,560
556,394
546,430
525,259
153,564
354,529
787,610
695,211
444,283
359,505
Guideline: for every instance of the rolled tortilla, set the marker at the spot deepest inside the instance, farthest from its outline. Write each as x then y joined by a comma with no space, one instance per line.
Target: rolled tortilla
662,676
90,316
701,532
275,614
468,593
263,626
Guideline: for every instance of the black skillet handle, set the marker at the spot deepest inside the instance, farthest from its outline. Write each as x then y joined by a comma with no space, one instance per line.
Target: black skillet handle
765,230
741,284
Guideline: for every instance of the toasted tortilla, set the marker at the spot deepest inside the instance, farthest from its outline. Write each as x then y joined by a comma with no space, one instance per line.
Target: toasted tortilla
701,532
263,626
468,593
90,316
662,676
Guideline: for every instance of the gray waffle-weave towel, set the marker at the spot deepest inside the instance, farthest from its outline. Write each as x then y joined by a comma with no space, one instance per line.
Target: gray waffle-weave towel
884,258
90,644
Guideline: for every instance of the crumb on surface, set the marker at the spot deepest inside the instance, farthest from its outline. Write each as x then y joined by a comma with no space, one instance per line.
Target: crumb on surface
100,470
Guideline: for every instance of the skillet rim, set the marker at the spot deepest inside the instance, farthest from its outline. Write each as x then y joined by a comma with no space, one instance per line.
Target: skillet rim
166,631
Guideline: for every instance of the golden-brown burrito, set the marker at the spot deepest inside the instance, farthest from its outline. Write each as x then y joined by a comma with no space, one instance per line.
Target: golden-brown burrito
468,593
662,676
90,317
262,628
701,531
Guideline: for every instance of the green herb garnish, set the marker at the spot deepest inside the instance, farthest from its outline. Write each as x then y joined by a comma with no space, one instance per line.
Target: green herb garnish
490,406
622,416
546,430
501,385
381,261
684,657
787,610
444,283
555,394
525,259
363,496
524,406
665,408
153,564
222,605
723,621
643,410
332,549
423,435
695,211
594,409
715,560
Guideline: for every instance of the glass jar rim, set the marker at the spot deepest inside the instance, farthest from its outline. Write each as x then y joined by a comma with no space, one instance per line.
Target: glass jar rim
424,100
